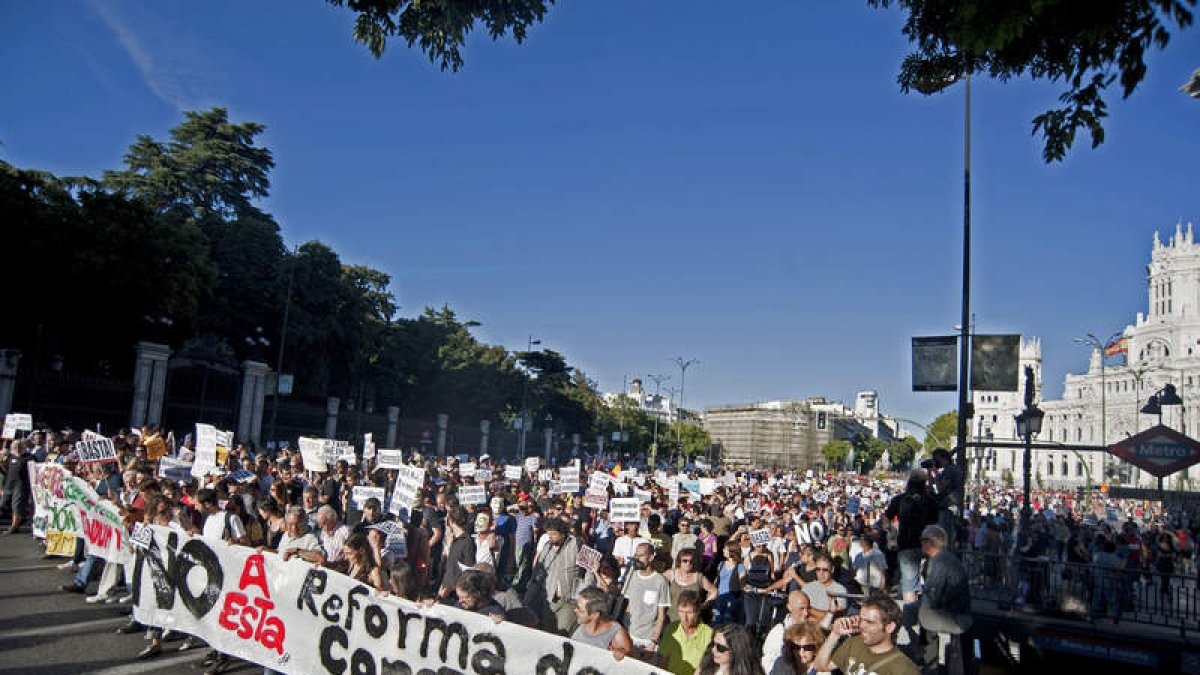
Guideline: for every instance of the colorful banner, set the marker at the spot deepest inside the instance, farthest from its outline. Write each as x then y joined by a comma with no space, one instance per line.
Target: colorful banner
300,619
66,507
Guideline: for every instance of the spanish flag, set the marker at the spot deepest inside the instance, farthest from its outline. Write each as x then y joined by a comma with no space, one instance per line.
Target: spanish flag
1117,347
616,470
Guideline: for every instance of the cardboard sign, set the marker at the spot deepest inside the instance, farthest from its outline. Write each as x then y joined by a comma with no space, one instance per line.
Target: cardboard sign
361,493
643,496
512,472
389,459
483,475
94,452
14,422
312,451
760,537
174,470
407,492
368,446
545,475
812,532
620,489
707,486
598,481
472,495
555,488
156,447
531,465
466,469
570,479
625,510
595,500
588,558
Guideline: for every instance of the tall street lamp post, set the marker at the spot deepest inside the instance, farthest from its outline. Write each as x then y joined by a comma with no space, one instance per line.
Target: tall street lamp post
683,366
1165,396
524,401
1029,424
658,380
1100,345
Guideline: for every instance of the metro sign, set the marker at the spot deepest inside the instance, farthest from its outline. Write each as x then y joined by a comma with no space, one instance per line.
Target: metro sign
1160,451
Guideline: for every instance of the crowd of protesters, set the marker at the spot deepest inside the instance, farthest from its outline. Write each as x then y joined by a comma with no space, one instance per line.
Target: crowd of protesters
778,572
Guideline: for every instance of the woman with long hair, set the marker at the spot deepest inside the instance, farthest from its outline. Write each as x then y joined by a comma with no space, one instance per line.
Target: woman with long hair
733,651
362,564
800,644
731,575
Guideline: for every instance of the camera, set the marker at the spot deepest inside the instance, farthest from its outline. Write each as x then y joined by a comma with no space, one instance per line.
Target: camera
928,464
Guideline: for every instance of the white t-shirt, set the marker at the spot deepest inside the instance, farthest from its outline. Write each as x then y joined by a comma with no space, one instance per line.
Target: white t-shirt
214,526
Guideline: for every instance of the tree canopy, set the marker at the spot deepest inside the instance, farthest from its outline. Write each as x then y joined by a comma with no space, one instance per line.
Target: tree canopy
1085,45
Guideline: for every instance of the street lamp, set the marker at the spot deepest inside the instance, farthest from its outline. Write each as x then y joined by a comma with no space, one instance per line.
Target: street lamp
524,399
1029,424
1100,345
683,366
1165,396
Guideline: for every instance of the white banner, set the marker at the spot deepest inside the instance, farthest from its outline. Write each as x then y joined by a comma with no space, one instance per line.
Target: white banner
70,505
407,491
361,494
472,495
93,452
389,459
512,472
312,451
300,619
624,510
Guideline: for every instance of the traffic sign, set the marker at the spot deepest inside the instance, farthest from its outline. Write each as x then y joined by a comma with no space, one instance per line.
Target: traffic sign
1159,451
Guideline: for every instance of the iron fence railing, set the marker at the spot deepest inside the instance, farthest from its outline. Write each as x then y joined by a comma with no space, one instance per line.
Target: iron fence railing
1085,592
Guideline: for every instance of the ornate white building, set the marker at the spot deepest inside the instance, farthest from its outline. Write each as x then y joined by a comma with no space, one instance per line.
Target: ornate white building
1163,347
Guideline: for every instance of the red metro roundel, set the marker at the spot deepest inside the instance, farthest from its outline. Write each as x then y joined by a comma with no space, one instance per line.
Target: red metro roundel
1160,451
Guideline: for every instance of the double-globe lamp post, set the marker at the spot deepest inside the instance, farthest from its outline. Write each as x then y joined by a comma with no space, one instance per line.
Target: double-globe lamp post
1029,424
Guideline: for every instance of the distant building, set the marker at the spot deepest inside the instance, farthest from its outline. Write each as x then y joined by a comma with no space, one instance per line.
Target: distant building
655,405
792,433
1160,348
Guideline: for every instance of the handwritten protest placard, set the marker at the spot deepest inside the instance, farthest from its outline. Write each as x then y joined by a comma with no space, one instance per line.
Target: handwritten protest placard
624,510
94,452
595,500
512,472
312,451
14,422
598,481
360,495
588,558
570,479
483,475
284,616
466,469
544,475
472,495
407,492
389,459
760,537
531,465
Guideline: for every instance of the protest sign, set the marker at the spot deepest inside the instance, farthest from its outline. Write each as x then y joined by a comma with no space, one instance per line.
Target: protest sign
483,475
368,446
619,488
760,537
407,491
389,459
531,465
625,510
94,452
627,474
512,472
812,532
14,422
588,558
642,496
312,451
570,479
395,541
284,616
174,470
360,495
752,506
156,447
598,481
472,495
544,475
673,491
707,486
206,450
466,469
853,505
242,476
67,507
595,500
555,488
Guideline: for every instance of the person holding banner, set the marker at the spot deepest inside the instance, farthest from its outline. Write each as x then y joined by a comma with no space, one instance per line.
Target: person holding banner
550,592
17,490
596,628
460,555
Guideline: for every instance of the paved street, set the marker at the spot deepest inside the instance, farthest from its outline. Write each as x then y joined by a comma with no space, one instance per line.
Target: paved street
45,631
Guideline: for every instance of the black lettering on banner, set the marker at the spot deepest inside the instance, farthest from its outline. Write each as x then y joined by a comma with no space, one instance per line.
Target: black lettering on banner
448,631
352,603
170,578
362,663
314,584
552,664
402,640
331,608
330,636
396,667
375,621
485,661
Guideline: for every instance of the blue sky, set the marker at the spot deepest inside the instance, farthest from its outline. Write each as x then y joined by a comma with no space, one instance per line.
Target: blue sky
640,180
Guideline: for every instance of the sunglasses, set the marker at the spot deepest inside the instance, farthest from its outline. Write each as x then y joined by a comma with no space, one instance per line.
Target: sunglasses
823,569
805,648
720,648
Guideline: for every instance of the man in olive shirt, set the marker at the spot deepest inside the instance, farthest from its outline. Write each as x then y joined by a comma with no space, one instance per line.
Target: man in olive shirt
685,641
872,649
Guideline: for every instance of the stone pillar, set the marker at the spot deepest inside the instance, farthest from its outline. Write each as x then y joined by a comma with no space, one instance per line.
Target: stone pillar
393,420
443,422
331,415
254,391
9,359
549,434
485,427
600,445
575,439
149,384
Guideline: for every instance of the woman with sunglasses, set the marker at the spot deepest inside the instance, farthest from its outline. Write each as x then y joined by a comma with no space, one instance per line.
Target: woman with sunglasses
686,576
801,642
733,652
